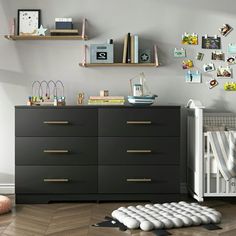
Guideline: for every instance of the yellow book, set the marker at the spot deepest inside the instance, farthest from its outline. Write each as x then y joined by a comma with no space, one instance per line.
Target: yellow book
125,49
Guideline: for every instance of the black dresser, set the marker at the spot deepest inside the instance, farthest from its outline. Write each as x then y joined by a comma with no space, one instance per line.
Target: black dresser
97,153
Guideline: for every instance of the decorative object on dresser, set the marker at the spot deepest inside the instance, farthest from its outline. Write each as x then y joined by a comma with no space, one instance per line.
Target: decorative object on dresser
97,153
141,94
47,93
80,99
28,22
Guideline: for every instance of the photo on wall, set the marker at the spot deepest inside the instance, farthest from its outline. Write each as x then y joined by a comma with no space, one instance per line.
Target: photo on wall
187,64
225,29
212,83
232,48
211,42
179,52
224,72
230,86
190,39
208,67
193,77
231,60
217,56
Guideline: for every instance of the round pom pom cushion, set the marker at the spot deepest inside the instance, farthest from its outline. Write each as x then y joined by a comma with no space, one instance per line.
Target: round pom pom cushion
5,204
167,215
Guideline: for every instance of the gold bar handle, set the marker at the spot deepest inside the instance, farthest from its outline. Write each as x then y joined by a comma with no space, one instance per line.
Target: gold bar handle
139,180
56,180
56,151
144,122
139,151
56,122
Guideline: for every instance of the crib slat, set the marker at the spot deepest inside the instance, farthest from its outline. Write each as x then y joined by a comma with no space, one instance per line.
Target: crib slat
208,165
217,179
227,186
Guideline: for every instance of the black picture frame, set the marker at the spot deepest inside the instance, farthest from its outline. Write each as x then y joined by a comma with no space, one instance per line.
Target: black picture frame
27,10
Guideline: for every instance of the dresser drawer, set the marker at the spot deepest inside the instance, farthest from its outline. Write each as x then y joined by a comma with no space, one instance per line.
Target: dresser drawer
56,122
139,122
56,151
138,151
56,179
138,179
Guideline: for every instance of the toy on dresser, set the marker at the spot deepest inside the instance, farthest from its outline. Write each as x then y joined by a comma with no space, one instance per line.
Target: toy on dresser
140,92
47,93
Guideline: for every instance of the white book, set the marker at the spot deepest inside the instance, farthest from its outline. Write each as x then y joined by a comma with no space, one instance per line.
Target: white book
136,48
63,19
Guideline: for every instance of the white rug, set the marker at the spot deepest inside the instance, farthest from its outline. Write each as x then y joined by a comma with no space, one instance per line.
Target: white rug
167,215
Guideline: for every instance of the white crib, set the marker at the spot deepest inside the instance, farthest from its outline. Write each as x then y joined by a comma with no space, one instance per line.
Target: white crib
203,174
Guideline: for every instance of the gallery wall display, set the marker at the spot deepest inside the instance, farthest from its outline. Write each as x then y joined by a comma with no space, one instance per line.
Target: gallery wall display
223,71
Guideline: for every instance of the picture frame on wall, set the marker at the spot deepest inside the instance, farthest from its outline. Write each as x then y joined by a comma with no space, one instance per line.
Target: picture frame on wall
29,21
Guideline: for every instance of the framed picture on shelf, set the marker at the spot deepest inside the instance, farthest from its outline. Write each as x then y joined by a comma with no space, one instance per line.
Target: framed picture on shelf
28,21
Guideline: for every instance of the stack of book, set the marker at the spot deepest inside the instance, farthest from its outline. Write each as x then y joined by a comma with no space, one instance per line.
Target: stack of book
107,100
130,51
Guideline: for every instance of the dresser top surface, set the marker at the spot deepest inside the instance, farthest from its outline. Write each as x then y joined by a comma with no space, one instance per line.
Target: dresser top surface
100,107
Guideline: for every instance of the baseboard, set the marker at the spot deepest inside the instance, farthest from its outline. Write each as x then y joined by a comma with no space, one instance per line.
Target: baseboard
10,188
7,188
183,188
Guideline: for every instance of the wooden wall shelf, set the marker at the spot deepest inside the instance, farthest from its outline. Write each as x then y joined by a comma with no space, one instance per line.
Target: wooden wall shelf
71,37
118,65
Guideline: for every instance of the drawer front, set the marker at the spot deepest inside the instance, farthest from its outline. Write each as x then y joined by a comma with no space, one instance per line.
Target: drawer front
139,151
138,179
56,122
56,179
139,122
56,151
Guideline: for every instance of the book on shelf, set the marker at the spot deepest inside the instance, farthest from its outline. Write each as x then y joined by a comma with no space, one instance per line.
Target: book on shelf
136,47
131,49
125,49
128,56
64,32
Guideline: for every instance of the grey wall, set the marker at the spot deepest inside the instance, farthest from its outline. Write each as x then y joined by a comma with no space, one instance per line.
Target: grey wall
156,21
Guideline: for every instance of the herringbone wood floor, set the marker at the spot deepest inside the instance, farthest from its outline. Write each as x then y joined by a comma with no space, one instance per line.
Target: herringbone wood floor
75,219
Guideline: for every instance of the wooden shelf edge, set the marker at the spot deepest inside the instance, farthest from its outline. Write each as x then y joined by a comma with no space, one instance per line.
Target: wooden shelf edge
118,65
69,37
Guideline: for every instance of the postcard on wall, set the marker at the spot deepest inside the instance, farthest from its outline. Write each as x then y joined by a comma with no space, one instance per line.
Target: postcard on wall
200,56
187,64
230,86
224,72
231,60
217,56
208,67
179,52
225,29
190,39
193,77
232,48
212,83
213,42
